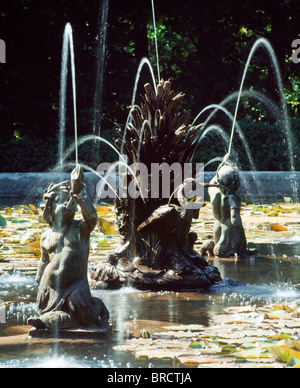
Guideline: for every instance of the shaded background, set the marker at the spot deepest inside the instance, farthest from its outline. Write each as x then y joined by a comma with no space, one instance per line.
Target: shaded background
203,47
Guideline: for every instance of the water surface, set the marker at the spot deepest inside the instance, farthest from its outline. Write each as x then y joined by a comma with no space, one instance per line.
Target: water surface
272,276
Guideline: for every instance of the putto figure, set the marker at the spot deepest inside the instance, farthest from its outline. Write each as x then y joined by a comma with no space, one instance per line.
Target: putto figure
64,295
229,235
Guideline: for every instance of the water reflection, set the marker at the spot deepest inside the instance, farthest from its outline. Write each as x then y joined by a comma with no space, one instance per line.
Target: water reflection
258,280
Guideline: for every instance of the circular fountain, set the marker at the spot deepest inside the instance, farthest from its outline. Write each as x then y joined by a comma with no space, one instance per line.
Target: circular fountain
156,258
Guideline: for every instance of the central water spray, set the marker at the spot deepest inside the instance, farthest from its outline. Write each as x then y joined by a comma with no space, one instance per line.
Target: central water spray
155,38
68,46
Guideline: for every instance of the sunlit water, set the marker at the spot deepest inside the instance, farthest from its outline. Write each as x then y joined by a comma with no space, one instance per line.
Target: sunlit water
271,277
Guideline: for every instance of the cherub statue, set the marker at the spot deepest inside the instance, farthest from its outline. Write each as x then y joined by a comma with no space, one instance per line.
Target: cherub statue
229,236
64,295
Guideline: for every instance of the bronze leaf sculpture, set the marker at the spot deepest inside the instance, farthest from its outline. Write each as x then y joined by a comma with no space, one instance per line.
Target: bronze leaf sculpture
157,248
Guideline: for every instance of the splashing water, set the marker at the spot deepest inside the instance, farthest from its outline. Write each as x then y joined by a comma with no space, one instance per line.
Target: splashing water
102,34
264,43
155,38
67,46
143,62
122,160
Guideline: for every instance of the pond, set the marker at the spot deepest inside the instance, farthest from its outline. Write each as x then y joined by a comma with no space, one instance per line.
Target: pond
271,276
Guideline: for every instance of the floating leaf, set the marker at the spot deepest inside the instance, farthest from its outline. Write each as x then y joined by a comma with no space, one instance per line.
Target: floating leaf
281,336
273,214
102,210
278,314
25,237
288,341
2,234
228,349
106,227
18,221
41,220
8,210
191,362
284,354
103,242
34,248
34,244
295,362
34,209
196,345
2,221
251,353
278,228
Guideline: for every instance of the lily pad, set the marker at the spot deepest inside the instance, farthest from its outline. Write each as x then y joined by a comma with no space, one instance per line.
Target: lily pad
278,228
285,354
106,227
2,221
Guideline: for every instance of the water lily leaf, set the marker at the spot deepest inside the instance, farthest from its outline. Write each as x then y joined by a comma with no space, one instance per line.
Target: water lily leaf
8,210
251,353
284,354
191,327
18,221
228,349
103,242
278,228
281,336
196,345
34,248
34,244
41,220
2,234
289,309
191,362
106,227
34,209
163,354
295,362
25,237
278,314
2,221
239,309
273,214
290,343
102,210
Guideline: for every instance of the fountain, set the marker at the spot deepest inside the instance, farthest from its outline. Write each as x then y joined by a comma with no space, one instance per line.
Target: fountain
156,257
68,46
156,251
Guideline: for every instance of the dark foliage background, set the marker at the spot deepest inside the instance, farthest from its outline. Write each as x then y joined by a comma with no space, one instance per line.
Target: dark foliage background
203,47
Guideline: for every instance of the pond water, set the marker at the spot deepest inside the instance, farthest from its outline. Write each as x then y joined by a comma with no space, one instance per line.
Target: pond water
274,275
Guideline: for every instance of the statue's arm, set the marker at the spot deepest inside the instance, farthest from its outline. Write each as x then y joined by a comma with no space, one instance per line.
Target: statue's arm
88,210
78,192
235,210
215,199
44,261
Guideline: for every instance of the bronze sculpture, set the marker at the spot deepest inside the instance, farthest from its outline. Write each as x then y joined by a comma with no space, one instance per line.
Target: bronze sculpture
64,295
229,236
156,249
